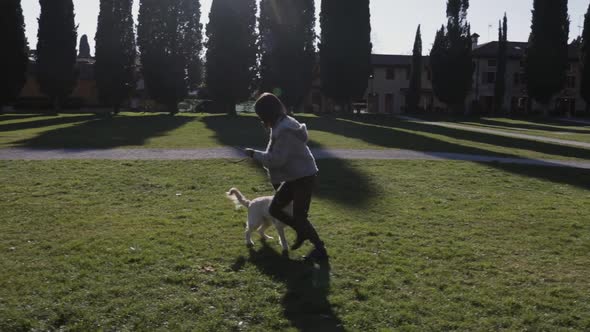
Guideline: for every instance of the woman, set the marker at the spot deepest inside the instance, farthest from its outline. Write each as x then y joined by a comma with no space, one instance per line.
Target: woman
291,168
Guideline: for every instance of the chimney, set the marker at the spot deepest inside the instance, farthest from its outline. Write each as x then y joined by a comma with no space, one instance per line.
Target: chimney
474,41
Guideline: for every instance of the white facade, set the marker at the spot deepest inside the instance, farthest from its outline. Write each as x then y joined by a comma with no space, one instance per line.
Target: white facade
388,86
516,99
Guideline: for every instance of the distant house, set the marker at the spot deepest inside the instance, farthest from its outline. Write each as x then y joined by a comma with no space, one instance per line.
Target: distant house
389,82
85,93
516,98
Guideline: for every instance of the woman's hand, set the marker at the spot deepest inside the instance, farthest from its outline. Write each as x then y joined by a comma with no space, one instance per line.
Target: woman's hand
249,153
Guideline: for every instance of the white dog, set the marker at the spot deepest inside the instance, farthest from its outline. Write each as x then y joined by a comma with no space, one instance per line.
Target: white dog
259,218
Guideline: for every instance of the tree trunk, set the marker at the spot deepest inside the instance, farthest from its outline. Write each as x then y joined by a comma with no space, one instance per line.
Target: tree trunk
56,103
230,108
458,109
173,108
546,109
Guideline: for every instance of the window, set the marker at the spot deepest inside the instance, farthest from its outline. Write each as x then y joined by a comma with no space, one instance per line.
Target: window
492,63
570,67
519,78
428,74
408,73
571,82
489,77
390,74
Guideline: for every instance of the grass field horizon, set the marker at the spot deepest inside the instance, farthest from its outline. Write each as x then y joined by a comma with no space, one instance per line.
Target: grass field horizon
134,130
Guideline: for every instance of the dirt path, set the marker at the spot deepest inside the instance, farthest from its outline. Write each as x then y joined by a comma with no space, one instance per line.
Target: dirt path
233,153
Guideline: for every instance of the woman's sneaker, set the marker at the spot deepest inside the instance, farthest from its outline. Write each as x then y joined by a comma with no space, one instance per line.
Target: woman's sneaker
298,241
317,254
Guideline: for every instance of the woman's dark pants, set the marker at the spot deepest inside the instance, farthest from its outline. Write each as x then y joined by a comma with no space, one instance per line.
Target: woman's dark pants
299,192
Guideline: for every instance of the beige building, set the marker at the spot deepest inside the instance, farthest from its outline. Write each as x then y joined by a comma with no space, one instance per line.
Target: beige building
516,99
390,80
389,83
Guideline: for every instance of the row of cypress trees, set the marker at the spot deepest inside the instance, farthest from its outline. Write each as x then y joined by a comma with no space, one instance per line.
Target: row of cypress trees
239,60
280,59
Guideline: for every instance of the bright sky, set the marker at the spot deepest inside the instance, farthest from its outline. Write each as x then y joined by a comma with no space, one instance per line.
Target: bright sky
394,22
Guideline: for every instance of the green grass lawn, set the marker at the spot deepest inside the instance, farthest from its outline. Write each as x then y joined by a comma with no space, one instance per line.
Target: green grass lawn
415,245
205,131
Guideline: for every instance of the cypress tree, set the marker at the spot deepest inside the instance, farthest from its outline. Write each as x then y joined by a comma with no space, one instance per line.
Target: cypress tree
13,57
500,85
84,49
231,62
345,49
287,34
192,45
452,67
413,97
115,52
162,39
547,52
585,61
56,50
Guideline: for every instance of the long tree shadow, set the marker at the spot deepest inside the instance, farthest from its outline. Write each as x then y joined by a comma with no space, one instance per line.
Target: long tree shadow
397,135
242,131
550,126
339,181
305,303
45,122
548,148
104,133
9,117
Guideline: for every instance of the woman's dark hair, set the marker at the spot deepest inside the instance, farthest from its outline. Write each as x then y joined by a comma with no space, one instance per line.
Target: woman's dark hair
269,108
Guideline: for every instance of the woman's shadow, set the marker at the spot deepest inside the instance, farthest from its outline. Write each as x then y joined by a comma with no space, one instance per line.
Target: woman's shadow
305,303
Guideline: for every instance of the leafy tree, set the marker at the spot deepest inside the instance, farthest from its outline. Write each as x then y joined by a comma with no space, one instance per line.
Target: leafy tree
451,57
500,85
166,38
56,50
13,57
585,60
546,58
287,36
231,52
84,49
115,52
345,49
413,97
192,42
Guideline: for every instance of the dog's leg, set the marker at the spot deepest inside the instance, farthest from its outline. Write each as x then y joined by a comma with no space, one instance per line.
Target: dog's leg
249,242
282,238
262,233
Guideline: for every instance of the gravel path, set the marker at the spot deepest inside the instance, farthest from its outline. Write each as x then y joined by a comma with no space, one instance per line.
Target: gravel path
500,133
234,153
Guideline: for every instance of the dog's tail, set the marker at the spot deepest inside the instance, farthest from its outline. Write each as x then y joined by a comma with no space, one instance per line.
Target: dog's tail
236,196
